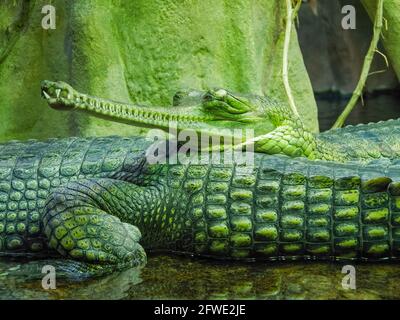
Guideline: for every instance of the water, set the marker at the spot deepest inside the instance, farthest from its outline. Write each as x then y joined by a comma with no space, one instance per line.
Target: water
380,107
172,277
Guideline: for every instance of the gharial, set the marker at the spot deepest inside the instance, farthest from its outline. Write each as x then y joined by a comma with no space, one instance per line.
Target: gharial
276,129
96,203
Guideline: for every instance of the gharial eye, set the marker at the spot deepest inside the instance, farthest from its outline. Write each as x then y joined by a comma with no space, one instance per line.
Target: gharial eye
64,94
221,93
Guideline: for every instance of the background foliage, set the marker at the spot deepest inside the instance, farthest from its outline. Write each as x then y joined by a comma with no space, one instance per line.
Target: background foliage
139,51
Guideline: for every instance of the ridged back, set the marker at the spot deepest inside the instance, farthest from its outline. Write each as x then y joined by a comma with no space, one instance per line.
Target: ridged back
374,140
294,208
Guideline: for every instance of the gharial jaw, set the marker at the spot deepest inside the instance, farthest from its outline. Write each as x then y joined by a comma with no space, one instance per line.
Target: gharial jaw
212,113
61,96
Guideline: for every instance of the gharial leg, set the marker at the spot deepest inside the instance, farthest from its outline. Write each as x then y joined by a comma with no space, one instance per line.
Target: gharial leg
82,222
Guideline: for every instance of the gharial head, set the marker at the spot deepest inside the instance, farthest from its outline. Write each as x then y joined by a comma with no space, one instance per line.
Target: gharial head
59,95
215,112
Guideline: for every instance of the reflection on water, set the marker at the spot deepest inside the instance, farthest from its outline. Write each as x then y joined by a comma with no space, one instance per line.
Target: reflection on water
381,107
171,277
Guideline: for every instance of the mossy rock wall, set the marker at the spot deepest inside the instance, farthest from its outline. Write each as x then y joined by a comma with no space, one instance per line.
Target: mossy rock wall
139,51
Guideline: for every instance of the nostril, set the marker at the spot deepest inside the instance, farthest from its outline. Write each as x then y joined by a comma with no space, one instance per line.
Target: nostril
208,96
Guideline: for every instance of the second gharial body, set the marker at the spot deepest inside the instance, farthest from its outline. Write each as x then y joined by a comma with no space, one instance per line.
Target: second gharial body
97,204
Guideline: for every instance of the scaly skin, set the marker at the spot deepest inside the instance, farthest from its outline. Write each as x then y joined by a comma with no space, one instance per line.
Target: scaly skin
276,129
89,200
97,204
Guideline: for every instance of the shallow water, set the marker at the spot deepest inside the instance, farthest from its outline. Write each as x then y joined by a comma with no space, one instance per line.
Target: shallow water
171,277
377,108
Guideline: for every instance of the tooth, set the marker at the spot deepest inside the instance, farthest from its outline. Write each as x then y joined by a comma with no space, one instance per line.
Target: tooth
58,91
46,95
